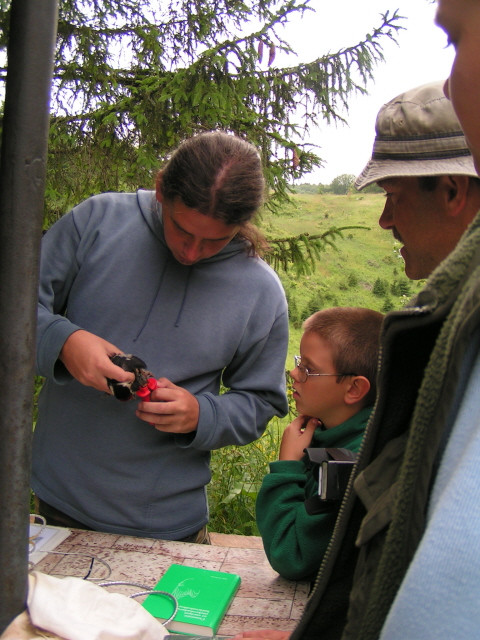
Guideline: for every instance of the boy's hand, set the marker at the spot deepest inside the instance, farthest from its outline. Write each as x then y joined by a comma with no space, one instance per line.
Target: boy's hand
297,437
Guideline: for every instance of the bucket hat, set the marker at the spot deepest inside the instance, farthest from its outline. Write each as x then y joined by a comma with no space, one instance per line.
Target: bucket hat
417,134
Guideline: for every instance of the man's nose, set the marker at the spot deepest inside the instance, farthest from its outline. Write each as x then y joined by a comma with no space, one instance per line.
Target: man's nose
386,220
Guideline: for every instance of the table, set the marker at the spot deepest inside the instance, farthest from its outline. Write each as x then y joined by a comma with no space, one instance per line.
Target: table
264,600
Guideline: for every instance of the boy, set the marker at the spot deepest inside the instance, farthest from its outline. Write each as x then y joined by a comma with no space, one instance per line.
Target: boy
334,390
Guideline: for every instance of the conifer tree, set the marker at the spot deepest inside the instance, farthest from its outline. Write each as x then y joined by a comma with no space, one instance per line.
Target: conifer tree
132,78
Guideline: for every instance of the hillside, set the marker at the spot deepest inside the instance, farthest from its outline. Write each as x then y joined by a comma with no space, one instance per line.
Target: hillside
366,268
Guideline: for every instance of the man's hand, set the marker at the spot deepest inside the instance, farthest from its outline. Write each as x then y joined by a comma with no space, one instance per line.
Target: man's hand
297,437
87,358
265,634
171,409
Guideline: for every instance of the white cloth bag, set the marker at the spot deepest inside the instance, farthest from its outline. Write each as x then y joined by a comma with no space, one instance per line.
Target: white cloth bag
75,609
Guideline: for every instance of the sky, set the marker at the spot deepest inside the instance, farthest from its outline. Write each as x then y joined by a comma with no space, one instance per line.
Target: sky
420,56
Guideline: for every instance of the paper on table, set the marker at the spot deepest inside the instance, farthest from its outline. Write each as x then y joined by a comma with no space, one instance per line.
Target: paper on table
44,539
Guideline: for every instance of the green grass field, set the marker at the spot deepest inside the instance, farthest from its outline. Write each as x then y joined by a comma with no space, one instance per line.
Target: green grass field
365,270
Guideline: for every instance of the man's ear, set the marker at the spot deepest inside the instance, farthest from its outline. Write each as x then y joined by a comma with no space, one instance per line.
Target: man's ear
158,187
357,390
456,192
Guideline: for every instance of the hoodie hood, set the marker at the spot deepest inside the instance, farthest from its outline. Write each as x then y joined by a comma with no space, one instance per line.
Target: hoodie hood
151,211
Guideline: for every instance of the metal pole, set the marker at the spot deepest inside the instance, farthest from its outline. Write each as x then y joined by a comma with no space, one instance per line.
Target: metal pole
22,181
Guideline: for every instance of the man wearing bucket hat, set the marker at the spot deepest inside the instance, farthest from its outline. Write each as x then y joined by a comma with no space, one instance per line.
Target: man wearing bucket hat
421,159
410,509
404,557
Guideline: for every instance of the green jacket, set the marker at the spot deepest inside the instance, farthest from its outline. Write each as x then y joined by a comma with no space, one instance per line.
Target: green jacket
293,539
423,371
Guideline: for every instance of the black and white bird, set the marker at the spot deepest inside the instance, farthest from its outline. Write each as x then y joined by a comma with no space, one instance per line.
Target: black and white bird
126,390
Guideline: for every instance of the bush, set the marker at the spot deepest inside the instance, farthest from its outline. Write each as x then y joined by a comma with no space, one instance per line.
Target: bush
237,473
380,288
388,306
341,185
401,288
352,280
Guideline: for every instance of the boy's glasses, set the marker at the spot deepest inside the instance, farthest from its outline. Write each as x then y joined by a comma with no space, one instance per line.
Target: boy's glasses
304,373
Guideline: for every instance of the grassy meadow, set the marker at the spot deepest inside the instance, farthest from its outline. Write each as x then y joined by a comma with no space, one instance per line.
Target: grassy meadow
365,270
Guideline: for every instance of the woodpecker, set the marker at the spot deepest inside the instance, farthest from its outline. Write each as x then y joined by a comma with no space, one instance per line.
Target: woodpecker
126,390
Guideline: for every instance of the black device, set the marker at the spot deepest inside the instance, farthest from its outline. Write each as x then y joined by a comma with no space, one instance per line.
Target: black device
334,467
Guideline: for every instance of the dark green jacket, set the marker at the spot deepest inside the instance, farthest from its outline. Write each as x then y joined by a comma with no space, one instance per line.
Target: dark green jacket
294,540
422,373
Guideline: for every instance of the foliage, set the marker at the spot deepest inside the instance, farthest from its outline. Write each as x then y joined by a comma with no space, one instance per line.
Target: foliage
341,185
380,288
302,252
237,475
401,287
387,305
133,78
306,187
38,383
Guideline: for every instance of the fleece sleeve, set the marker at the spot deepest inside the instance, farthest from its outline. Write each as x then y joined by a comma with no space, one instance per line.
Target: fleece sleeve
294,541
58,267
256,389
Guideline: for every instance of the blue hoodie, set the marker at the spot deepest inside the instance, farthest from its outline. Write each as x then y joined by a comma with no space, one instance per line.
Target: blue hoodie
106,268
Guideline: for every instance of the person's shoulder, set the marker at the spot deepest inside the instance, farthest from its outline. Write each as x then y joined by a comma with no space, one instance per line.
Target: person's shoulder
116,197
268,277
260,266
236,255
113,203
101,201
121,196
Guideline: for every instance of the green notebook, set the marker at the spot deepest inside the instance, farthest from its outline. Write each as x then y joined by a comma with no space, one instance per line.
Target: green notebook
203,598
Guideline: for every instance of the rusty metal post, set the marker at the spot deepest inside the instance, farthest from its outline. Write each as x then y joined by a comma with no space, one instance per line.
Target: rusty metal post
22,181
